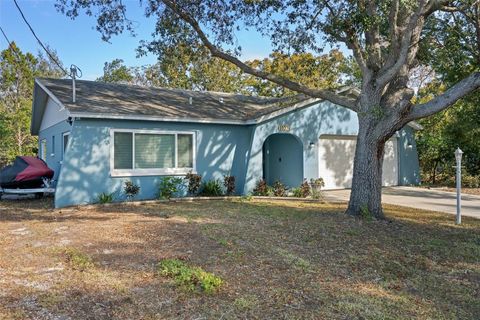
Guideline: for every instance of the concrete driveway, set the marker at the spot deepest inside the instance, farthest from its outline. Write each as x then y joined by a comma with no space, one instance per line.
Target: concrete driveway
419,198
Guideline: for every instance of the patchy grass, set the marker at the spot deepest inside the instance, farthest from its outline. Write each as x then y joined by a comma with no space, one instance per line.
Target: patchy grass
189,278
78,260
276,260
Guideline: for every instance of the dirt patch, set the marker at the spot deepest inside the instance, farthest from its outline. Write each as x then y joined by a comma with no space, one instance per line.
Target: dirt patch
279,260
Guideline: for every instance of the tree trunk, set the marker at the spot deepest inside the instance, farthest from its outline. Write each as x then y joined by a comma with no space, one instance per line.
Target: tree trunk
366,194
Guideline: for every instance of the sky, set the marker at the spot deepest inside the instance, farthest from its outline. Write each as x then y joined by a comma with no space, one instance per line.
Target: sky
77,42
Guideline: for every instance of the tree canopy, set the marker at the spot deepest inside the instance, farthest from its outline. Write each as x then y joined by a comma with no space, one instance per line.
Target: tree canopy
116,71
195,69
17,74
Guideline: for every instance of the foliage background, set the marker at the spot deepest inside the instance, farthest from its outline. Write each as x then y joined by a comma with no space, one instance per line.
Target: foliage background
17,73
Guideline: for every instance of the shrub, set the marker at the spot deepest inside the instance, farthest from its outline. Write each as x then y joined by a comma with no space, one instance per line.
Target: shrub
193,182
189,278
131,190
297,192
279,189
168,187
229,183
304,189
105,197
261,189
212,188
471,181
316,186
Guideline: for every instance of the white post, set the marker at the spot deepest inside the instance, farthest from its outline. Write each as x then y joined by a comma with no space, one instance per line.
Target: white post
73,74
458,158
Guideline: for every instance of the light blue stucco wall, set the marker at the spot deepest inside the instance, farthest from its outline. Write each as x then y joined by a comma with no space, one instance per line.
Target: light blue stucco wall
220,150
409,167
54,145
307,125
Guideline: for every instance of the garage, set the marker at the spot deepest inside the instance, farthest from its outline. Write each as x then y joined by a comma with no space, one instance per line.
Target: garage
335,157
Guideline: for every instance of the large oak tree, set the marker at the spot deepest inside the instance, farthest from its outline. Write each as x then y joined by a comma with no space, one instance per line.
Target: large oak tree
384,37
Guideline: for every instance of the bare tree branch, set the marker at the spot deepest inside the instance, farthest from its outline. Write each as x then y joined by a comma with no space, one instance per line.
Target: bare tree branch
443,101
216,52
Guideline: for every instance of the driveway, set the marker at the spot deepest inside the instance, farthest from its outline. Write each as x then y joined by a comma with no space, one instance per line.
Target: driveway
419,198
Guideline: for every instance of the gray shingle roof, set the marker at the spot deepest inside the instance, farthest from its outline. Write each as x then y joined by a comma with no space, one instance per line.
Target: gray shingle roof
121,99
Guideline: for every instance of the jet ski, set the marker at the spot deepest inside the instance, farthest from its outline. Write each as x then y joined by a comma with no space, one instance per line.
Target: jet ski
25,173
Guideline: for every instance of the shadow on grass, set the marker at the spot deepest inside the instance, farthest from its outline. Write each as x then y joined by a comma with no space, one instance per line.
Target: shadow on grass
298,259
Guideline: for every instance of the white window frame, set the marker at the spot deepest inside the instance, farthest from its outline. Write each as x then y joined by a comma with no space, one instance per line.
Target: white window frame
43,149
64,148
151,172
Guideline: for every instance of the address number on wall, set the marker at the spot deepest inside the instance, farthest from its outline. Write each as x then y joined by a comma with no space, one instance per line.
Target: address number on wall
283,128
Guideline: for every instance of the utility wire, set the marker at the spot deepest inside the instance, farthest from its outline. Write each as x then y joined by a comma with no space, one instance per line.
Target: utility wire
40,42
6,38
12,49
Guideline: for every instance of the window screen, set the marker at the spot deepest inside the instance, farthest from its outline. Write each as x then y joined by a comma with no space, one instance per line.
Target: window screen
65,143
185,151
123,149
154,151
132,150
43,149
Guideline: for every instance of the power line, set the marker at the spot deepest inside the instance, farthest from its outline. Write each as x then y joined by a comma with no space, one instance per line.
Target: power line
52,58
11,48
6,38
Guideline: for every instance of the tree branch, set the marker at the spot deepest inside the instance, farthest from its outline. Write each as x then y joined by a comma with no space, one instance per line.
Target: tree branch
398,58
353,44
449,97
216,52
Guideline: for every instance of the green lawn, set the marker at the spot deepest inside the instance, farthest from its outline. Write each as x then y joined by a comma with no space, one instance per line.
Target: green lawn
275,260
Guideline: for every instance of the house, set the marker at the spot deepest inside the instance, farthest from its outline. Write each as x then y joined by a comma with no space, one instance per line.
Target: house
116,132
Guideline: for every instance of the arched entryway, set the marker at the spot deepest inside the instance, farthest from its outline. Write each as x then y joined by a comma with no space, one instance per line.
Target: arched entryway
283,159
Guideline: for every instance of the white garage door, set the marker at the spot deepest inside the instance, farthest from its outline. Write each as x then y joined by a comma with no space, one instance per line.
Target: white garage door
336,154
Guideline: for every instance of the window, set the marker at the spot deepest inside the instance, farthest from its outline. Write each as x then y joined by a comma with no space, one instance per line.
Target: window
143,152
43,149
65,137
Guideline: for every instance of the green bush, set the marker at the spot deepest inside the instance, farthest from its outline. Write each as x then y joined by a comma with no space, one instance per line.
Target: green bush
279,189
105,197
189,278
131,190
211,188
169,186
194,181
470,181
297,192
